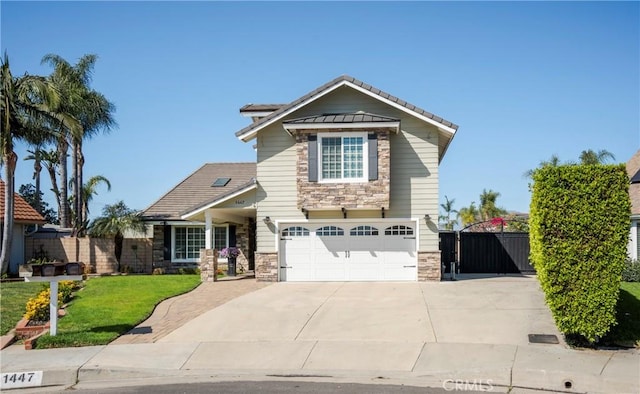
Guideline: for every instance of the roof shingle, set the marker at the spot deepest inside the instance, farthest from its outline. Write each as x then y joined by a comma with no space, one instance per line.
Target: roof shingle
196,190
22,211
344,78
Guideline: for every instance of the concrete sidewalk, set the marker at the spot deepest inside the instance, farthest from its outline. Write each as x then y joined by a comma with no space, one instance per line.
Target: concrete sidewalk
539,367
422,334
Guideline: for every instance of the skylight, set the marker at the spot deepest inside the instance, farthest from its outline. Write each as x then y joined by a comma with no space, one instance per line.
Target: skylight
220,182
636,177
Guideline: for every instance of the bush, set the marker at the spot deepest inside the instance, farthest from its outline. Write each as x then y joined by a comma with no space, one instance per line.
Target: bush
631,271
579,225
188,271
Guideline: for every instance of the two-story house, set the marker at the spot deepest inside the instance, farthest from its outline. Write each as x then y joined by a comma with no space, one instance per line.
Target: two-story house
345,189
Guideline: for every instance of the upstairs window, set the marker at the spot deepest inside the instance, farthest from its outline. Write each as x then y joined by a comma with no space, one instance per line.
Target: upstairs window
343,157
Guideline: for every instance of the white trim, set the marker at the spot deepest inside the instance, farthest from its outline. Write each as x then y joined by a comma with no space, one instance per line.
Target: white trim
174,223
256,114
251,133
355,125
365,157
403,108
632,246
217,202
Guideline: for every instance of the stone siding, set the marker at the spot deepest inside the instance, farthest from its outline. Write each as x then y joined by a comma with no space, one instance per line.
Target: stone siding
208,265
266,267
370,195
429,268
158,246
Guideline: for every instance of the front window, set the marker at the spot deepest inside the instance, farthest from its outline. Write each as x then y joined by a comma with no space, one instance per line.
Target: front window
343,158
187,242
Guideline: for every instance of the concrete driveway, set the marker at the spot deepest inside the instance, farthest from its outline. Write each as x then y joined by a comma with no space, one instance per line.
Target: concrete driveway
493,310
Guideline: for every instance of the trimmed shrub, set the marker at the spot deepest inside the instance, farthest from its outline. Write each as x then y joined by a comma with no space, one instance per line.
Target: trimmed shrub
631,271
579,228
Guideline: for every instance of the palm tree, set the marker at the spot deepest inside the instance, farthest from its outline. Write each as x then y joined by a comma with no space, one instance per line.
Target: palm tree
27,103
448,210
553,161
89,190
469,215
117,219
94,113
591,157
488,208
50,161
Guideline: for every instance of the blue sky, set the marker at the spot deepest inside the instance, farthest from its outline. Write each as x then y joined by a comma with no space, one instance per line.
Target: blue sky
522,80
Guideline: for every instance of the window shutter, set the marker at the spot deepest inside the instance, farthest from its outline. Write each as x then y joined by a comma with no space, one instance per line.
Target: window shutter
232,235
167,243
373,157
312,162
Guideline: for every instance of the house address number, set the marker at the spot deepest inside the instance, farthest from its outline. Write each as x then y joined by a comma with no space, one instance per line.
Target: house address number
13,380
239,202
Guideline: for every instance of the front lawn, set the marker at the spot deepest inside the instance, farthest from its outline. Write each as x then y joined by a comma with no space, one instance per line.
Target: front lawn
627,332
107,307
13,299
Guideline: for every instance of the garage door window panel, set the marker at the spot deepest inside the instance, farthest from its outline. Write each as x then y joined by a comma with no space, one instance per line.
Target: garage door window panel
295,231
398,230
329,231
363,231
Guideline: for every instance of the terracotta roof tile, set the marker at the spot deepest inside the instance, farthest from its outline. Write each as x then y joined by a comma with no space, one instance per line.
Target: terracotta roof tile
22,211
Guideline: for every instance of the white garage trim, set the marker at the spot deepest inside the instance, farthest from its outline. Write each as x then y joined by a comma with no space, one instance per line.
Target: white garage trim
348,250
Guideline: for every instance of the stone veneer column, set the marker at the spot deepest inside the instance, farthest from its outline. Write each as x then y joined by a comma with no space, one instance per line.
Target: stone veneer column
266,267
429,268
208,265
157,253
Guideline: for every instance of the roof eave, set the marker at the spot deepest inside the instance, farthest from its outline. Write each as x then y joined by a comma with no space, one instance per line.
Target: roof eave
187,215
289,128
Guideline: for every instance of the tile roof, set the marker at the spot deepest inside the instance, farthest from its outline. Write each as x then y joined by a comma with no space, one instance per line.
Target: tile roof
196,190
342,79
633,166
22,211
357,117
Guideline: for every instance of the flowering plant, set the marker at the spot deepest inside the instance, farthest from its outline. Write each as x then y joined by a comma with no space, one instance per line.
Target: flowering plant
231,251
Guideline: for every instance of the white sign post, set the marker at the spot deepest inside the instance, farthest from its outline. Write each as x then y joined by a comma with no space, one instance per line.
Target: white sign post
53,296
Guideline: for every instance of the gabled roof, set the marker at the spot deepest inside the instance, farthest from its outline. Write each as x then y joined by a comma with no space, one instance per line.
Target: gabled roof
261,108
633,167
250,131
196,190
22,211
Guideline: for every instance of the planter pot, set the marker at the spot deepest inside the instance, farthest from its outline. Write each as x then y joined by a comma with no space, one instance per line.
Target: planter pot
59,268
48,269
74,268
231,266
36,270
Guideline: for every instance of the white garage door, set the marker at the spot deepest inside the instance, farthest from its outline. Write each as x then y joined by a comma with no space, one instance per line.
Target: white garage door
383,251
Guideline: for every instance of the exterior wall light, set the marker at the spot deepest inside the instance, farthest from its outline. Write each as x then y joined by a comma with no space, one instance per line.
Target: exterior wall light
427,217
267,219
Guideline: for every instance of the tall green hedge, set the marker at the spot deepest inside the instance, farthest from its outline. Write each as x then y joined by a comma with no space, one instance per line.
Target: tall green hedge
579,229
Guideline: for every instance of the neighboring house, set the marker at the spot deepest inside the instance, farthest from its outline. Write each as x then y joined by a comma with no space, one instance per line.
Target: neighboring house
345,188
24,215
633,170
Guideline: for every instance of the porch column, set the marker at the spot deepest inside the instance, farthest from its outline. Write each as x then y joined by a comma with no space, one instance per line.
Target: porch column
208,236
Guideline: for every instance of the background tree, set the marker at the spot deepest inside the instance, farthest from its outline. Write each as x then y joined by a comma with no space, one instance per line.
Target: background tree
29,193
27,102
90,189
488,208
591,157
469,215
447,207
93,112
117,219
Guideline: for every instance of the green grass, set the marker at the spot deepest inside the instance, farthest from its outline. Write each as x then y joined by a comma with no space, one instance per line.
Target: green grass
627,331
13,299
107,307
